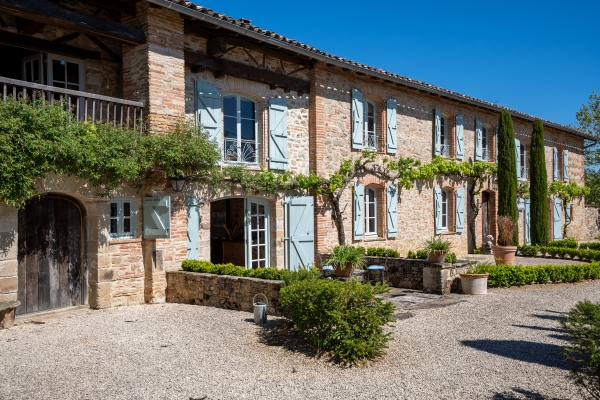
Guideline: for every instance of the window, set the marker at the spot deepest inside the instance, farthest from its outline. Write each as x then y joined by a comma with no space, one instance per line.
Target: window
240,130
370,211
444,143
444,225
54,70
485,148
370,126
123,218
523,156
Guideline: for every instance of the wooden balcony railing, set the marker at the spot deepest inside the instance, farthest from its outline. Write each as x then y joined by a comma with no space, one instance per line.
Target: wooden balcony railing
85,106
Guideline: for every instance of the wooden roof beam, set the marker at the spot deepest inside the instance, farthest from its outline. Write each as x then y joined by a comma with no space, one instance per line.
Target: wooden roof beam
41,45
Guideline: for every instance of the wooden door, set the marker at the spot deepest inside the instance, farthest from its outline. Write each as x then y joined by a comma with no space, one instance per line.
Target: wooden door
51,270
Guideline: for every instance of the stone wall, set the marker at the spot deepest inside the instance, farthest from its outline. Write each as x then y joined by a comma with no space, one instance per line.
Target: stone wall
443,278
222,291
592,221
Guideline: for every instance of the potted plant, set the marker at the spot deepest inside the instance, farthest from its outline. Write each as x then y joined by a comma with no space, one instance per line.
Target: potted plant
436,249
504,252
345,259
473,283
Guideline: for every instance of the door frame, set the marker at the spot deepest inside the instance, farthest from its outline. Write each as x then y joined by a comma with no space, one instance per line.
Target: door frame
248,229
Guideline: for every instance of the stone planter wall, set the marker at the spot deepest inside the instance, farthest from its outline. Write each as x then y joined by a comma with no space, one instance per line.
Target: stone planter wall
221,291
443,278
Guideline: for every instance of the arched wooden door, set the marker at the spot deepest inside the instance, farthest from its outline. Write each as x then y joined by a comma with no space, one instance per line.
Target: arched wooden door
51,268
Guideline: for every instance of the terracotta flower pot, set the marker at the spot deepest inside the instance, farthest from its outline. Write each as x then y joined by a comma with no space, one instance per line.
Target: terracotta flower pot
504,254
474,283
344,273
436,256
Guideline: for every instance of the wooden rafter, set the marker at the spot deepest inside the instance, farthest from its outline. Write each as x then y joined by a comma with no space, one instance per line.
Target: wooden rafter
67,38
104,47
36,44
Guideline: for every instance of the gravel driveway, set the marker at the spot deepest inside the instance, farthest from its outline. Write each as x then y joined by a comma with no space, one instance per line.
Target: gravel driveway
499,346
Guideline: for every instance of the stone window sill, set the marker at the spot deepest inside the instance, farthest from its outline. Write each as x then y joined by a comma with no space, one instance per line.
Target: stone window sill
124,241
450,233
374,239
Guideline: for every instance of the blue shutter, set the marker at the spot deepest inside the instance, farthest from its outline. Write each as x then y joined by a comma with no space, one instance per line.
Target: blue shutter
460,210
557,218
359,211
520,203
524,174
555,163
437,209
460,137
392,211
496,144
157,217
357,120
437,148
478,140
300,232
392,127
278,135
566,165
518,156
192,228
568,213
527,221
208,101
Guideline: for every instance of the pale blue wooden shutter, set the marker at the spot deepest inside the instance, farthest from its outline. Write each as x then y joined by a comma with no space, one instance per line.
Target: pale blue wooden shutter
157,217
359,211
437,209
496,144
460,210
278,135
460,137
520,203
557,218
568,213
392,210
518,155
300,232
357,120
392,127
208,101
192,228
524,174
527,221
566,165
555,163
478,140
437,148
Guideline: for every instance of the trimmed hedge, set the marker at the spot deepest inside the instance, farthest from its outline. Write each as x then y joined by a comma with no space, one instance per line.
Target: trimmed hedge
512,275
568,243
382,252
560,252
590,245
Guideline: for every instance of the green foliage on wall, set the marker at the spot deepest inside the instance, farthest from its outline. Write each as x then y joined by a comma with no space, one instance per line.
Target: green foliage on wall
539,186
507,171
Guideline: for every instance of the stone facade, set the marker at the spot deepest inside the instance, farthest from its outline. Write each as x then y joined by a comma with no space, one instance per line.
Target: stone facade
443,278
222,291
399,272
592,222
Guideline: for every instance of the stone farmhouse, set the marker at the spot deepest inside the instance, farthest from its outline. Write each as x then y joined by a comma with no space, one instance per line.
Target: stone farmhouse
270,103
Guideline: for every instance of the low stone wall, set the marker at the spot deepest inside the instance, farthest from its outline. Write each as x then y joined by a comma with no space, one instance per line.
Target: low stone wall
222,291
443,278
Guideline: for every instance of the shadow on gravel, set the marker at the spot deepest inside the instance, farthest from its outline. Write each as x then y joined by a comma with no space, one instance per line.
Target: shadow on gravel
538,353
280,332
552,317
539,328
521,394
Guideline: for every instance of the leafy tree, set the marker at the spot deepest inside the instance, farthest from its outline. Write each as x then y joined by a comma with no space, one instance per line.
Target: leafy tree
539,187
507,171
588,118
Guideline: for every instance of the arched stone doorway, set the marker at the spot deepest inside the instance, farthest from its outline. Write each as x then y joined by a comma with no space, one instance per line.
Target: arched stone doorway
51,260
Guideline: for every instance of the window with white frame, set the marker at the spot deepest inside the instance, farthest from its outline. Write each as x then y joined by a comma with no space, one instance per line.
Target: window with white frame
370,125
485,147
444,141
123,221
240,134
523,160
370,211
444,218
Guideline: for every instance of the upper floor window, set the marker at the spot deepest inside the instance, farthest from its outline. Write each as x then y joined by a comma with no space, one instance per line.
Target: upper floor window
370,126
370,211
240,142
58,71
444,210
444,142
485,144
122,218
523,156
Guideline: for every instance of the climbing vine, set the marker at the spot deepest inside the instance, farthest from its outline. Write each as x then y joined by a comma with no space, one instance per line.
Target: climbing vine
567,192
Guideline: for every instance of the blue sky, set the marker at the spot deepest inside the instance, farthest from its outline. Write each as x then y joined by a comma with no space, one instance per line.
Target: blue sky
538,57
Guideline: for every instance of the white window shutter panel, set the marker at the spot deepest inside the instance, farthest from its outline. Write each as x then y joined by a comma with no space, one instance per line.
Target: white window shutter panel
478,140
359,211
157,217
518,157
568,213
566,165
527,221
555,163
278,134
392,127
557,218
460,210
437,209
437,148
357,120
392,211
520,203
193,223
460,137
209,116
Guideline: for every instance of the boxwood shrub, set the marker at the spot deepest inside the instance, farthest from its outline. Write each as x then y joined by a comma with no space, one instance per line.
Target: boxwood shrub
568,243
514,275
590,245
560,252
344,319
382,252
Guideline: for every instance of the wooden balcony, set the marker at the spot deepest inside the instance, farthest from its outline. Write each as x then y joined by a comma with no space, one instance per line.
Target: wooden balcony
85,106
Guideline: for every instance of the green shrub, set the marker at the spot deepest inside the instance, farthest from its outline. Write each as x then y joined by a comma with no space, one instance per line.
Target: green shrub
451,258
478,250
436,244
411,254
528,251
345,319
422,254
590,245
582,325
514,275
382,252
538,191
569,243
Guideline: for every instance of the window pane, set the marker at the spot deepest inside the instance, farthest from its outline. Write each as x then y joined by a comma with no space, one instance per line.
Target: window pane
59,85
28,69
230,127
113,226
58,70
248,129
127,225
73,73
229,106
247,108
371,227
261,209
113,210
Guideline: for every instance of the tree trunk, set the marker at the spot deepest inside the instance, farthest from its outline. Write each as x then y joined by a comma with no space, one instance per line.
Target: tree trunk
337,217
474,214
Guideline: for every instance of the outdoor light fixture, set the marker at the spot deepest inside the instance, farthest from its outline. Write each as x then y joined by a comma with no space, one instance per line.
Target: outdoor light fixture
177,183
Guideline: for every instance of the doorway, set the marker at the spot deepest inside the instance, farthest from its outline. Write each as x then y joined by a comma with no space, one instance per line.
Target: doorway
239,232
50,261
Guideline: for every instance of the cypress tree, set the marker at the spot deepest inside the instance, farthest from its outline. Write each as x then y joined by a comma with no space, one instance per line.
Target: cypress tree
538,187
507,171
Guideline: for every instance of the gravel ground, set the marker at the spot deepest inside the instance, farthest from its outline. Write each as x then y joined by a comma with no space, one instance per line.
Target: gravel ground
480,258
500,346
